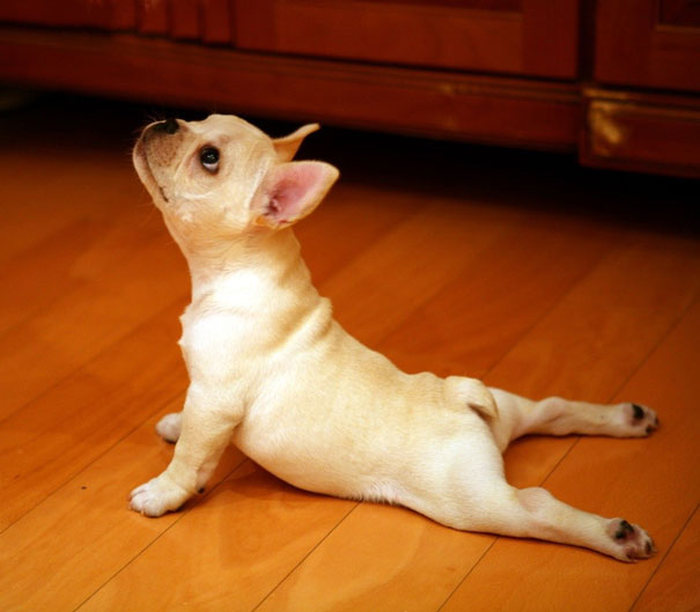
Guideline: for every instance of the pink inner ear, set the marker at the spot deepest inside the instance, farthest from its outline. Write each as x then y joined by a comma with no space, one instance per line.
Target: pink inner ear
292,191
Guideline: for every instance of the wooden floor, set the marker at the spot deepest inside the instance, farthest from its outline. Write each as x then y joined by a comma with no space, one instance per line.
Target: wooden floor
518,268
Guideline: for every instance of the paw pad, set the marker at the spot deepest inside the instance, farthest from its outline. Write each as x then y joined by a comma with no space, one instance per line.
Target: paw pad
632,540
643,420
624,530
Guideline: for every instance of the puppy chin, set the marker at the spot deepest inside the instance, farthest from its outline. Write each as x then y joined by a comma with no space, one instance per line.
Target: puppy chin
138,157
145,174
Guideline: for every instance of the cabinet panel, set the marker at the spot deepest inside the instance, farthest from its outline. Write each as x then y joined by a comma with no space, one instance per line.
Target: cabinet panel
533,37
680,13
216,21
648,43
106,14
152,17
486,109
185,19
205,20
642,132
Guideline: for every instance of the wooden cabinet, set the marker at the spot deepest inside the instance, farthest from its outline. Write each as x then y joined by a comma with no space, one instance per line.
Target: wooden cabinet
204,20
648,43
524,37
643,47
103,14
617,80
208,21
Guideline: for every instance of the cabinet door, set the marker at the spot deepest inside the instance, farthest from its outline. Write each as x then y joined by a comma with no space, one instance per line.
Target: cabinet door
205,20
649,43
107,14
532,37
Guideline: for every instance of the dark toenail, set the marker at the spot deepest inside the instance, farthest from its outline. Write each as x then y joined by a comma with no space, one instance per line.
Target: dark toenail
649,429
200,491
638,411
648,547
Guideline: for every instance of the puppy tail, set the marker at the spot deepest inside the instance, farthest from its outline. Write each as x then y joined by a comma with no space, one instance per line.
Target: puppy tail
473,394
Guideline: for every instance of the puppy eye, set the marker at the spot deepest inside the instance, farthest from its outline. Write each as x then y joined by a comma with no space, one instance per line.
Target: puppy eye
209,158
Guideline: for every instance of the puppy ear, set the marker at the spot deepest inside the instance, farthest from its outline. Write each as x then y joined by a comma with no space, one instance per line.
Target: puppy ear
287,146
291,191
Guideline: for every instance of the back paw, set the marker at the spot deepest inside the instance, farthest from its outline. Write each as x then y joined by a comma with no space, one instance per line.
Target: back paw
639,420
631,541
169,427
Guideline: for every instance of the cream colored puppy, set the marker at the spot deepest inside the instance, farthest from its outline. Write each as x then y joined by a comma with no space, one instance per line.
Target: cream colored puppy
272,371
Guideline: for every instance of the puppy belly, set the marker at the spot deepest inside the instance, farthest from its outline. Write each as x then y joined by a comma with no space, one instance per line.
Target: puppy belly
316,467
346,422
388,464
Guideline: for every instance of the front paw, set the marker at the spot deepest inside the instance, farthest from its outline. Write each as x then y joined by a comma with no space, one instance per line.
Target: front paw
157,496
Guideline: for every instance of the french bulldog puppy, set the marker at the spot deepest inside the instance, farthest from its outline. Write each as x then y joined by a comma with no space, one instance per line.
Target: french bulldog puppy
272,371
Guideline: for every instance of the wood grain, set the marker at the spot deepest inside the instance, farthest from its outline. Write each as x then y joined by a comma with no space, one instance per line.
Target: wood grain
536,38
524,270
85,524
668,586
612,478
132,380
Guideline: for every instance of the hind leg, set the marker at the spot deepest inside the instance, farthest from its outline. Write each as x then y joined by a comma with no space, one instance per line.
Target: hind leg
535,513
556,416
464,487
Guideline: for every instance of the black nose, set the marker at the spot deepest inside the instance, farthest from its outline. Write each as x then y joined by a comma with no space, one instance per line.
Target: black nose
169,126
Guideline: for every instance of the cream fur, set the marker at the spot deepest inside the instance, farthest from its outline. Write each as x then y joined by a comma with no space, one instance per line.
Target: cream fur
272,371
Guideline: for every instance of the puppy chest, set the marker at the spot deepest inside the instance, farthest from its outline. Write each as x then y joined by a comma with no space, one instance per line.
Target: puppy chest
213,346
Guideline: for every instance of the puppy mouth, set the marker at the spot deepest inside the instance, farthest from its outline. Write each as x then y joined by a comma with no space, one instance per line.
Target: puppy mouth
143,169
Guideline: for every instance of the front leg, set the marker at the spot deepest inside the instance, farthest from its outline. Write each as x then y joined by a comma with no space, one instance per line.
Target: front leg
206,430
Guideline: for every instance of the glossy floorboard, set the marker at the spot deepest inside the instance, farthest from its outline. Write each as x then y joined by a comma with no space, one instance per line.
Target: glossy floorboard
518,268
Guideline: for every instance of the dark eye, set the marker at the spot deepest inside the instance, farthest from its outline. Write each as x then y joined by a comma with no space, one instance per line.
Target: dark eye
209,158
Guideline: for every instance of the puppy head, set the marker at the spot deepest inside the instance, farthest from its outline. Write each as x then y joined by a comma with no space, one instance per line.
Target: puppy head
221,178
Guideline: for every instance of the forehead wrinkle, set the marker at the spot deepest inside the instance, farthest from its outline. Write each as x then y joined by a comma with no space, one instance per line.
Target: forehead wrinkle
248,150
184,160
